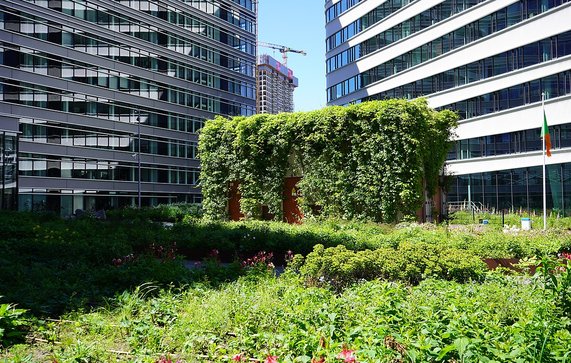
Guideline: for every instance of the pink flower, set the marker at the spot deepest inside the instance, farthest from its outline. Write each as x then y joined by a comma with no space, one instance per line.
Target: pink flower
347,355
237,357
271,359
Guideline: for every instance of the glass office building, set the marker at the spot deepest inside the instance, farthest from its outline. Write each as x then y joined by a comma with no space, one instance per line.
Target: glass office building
491,61
108,95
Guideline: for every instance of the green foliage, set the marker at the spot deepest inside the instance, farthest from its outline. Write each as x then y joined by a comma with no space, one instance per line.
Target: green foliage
411,263
217,160
197,237
368,161
556,276
50,265
174,212
503,319
511,219
12,324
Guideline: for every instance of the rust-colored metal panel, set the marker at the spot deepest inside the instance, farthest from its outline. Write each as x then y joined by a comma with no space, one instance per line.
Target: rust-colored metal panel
234,202
292,213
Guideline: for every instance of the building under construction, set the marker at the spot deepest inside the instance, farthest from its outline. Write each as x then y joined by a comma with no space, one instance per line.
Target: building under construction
275,85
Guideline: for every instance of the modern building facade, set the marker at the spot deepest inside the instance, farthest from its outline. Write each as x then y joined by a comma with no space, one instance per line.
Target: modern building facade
491,61
276,84
108,95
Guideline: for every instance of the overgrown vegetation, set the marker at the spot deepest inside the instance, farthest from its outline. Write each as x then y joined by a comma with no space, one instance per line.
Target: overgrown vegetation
500,220
119,290
50,265
371,161
409,262
504,319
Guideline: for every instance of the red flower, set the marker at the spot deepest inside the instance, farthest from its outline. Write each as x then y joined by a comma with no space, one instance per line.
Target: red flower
347,355
237,357
318,360
271,359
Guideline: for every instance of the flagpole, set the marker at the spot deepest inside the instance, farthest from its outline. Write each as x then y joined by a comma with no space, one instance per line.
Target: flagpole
544,189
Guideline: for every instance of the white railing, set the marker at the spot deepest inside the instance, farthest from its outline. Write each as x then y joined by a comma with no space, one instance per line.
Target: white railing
477,207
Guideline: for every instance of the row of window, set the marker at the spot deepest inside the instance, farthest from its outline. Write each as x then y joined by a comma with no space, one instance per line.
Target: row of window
520,188
248,4
54,99
66,202
53,134
37,62
419,22
481,28
336,9
528,55
94,44
555,85
110,19
38,96
372,17
220,10
79,168
165,120
509,143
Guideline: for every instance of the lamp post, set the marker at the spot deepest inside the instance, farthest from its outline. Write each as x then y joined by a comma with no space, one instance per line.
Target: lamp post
139,165
138,159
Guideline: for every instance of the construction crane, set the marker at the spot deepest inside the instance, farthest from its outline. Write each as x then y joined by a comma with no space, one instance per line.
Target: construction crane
282,49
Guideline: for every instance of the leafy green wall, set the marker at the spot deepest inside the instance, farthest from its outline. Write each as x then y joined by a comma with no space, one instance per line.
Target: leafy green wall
370,161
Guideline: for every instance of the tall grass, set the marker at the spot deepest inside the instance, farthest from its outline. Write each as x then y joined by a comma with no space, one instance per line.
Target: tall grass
504,319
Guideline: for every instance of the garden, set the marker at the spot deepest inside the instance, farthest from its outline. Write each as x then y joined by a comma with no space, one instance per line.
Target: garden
122,290
358,281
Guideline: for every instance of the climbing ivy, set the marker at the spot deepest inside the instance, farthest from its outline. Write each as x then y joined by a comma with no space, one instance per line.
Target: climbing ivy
370,161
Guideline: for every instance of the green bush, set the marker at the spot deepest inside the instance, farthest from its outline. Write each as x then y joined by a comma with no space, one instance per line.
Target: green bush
174,212
556,276
411,263
12,324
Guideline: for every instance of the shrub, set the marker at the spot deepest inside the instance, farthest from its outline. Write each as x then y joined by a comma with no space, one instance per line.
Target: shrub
11,324
556,276
411,263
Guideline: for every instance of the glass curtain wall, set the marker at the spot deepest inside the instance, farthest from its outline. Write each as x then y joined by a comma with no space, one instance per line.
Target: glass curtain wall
516,189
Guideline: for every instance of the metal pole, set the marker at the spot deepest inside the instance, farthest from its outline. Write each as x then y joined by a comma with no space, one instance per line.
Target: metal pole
544,175
139,161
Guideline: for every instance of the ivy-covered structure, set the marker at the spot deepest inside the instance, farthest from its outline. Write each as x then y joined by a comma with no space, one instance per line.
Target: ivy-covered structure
372,161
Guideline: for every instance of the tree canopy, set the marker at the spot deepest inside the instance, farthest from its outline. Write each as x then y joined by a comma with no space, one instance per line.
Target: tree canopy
370,161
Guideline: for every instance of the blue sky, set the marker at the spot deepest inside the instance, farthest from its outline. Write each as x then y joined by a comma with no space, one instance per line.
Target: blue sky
298,24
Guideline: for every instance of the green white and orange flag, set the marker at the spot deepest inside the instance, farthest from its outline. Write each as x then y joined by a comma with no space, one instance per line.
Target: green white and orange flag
546,136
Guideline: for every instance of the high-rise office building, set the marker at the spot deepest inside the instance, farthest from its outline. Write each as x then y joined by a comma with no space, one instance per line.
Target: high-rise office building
108,96
490,60
276,84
